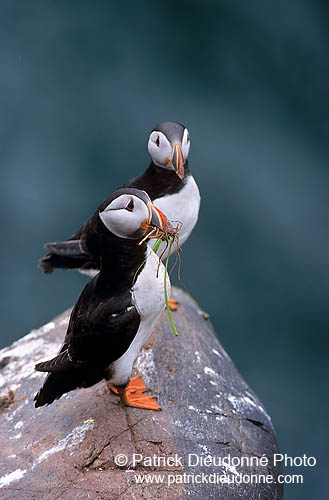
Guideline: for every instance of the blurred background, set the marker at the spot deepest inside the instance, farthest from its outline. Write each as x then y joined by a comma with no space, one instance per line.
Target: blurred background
81,86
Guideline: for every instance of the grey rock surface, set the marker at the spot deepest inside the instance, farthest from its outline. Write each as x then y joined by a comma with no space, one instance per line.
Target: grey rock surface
67,450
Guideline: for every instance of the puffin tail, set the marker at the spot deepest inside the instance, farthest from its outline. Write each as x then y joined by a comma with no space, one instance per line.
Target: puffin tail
64,376
55,385
58,383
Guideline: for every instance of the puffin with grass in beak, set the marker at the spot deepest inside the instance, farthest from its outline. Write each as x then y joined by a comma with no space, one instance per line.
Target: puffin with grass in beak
170,185
118,309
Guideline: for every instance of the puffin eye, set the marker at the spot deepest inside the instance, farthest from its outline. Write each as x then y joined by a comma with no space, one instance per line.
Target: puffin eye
157,141
188,139
130,207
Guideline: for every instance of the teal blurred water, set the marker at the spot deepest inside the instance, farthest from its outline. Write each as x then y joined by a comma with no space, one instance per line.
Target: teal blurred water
81,86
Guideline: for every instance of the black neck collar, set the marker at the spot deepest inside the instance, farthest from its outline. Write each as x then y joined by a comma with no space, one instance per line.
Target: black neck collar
121,260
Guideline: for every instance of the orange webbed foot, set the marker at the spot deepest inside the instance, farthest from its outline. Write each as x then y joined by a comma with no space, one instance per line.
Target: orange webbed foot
173,304
133,395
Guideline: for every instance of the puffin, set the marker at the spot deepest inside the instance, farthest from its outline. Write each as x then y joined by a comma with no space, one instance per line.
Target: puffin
170,185
118,308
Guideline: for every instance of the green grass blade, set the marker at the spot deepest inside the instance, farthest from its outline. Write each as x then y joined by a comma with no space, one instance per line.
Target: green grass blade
156,245
171,320
155,249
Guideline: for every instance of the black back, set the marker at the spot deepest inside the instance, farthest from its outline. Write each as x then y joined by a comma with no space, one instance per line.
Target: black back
158,181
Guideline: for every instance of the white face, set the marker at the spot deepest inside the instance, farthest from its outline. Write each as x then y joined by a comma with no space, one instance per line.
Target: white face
186,143
161,150
124,216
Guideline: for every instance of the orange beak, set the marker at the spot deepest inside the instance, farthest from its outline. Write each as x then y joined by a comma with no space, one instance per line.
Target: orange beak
156,218
177,160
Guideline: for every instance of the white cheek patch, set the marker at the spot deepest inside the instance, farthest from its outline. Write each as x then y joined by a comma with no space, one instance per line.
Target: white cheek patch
186,144
159,148
122,222
117,222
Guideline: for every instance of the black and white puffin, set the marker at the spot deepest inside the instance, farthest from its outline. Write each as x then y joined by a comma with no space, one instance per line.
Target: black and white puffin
168,182
118,308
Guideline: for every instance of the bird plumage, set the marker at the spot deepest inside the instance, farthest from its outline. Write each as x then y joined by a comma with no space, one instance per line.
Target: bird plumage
113,316
164,186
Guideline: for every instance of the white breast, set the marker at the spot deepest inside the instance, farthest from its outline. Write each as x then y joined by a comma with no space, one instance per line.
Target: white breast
183,207
148,297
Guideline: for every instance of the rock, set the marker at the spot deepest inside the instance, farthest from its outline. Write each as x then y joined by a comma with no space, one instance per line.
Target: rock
67,450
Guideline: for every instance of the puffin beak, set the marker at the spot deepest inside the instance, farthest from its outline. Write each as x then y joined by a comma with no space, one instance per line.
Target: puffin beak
177,160
156,218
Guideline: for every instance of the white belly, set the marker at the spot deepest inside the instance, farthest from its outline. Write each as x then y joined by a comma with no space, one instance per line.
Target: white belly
183,207
148,297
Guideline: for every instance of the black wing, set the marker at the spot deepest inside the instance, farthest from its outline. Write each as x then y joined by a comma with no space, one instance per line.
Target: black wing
69,254
99,332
